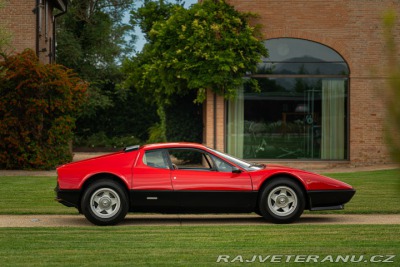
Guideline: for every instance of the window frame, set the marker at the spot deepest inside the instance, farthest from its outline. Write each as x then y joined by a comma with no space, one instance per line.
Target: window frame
346,77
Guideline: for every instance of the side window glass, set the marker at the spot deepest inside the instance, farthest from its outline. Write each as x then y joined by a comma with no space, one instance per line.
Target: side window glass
221,165
156,159
189,159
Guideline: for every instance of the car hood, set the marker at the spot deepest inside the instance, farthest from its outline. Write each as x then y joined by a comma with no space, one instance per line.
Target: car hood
311,181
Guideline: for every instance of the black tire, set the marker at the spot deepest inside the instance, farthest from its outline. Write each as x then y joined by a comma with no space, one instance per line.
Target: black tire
282,201
114,203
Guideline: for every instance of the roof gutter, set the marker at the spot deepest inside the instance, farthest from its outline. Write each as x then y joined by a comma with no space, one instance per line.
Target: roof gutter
63,6
64,9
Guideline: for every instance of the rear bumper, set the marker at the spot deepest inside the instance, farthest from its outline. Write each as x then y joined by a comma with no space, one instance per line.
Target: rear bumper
329,199
69,198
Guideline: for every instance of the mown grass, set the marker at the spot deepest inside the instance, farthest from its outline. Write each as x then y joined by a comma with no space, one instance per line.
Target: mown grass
377,192
193,245
30,195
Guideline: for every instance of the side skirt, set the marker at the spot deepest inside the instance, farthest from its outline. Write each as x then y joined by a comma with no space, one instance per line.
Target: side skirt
193,201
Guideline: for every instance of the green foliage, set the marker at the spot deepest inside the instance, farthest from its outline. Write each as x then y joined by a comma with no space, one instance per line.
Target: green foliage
157,132
150,13
209,46
91,37
37,108
93,40
126,114
184,120
393,97
101,140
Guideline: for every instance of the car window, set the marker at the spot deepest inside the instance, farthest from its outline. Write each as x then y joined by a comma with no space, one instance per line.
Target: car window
156,159
221,165
191,159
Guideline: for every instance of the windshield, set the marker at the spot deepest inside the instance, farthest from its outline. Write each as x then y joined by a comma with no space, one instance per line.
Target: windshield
243,164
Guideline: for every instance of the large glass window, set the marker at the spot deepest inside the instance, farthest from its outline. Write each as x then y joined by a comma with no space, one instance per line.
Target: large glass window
301,111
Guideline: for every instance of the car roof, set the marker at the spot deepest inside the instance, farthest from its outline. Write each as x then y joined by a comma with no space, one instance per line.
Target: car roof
173,145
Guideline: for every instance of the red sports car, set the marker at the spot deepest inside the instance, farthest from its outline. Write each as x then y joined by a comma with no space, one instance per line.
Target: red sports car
191,178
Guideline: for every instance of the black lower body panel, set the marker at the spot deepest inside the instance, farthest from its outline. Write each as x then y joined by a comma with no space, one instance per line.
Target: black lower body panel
193,201
69,198
329,199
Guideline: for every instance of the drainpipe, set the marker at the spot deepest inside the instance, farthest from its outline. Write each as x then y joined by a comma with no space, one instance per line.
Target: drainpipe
62,13
36,10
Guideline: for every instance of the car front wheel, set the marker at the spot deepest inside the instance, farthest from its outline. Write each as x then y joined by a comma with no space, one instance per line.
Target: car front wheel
104,203
282,201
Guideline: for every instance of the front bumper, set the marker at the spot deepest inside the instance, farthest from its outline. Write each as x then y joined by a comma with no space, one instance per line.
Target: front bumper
329,199
69,198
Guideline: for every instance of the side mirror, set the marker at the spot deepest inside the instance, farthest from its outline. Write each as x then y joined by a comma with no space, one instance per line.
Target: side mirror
236,170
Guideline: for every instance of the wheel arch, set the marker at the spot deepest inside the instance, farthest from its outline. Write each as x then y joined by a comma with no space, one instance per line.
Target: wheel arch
102,176
292,177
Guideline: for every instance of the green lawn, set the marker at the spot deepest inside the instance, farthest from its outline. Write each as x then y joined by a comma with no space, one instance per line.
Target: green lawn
377,192
193,245
30,195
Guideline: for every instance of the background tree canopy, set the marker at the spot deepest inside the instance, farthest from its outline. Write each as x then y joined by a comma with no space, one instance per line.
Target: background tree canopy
208,46
93,38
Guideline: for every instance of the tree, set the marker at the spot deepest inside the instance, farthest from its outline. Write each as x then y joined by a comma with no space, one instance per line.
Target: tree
209,46
150,13
93,39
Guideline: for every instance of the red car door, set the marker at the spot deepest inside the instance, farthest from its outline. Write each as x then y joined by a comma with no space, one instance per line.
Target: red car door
151,185
206,183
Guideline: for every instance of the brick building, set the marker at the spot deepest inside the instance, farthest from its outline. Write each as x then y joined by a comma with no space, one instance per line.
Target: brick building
32,25
321,99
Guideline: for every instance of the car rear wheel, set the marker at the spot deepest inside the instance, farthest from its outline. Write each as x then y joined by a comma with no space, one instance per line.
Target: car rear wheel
282,201
104,203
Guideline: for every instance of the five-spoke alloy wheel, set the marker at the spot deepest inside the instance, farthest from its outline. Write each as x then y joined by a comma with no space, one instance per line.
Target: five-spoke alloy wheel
104,202
282,201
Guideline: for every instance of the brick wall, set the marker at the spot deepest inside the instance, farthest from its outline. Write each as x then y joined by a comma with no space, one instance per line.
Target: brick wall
19,18
214,121
354,29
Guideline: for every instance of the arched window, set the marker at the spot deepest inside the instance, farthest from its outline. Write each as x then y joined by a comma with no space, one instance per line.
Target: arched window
302,109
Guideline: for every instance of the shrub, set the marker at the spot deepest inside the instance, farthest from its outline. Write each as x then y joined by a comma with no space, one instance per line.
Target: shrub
37,107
